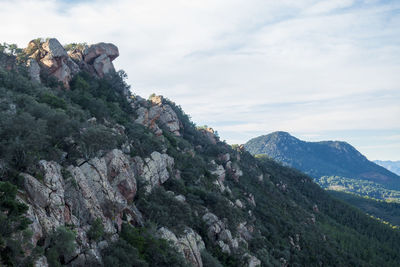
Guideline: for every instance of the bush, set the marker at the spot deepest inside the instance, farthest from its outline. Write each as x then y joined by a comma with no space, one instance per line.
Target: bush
155,251
61,246
96,138
96,231
158,206
12,221
122,254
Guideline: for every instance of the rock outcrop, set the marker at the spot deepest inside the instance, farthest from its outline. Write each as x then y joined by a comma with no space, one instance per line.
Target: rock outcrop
209,133
101,188
155,170
52,58
190,244
157,114
219,233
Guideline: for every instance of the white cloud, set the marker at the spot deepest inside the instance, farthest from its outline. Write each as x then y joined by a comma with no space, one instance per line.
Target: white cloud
297,65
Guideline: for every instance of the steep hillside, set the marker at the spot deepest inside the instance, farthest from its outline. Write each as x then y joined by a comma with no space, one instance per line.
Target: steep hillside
93,175
393,166
388,212
326,158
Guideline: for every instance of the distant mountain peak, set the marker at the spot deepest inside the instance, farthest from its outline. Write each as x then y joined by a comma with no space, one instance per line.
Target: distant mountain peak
324,158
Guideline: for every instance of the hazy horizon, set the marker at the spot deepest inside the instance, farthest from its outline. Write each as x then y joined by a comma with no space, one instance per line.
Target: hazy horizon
320,70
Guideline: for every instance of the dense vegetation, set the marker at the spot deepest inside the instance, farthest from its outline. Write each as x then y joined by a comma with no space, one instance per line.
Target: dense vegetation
386,211
360,187
294,221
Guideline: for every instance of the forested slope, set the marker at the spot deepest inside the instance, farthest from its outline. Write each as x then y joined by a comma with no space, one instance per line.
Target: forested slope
93,175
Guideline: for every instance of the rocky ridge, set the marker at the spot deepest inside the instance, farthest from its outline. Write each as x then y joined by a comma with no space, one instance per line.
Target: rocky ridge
164,183
52,58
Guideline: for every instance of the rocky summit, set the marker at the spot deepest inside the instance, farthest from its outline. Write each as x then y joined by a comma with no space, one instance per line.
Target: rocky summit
51,57
92,174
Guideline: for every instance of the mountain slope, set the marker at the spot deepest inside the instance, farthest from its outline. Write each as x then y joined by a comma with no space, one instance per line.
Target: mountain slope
393,166
92,175
326,158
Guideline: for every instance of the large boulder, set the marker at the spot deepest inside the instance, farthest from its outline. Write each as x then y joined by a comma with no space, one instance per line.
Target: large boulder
157,114
54,49
57,62
156,169
121,174
33,69
103,65
96,50
101,188
218,233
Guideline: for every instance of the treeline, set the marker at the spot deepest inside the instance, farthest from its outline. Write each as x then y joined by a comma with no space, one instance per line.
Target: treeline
360,187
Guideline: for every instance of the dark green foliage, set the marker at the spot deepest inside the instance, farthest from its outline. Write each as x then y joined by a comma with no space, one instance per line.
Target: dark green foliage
53,101
23,139
12,221
39,122
144,141
156,252
96,231
209,260
122,254
61,246
95,138
360,187
104,98
164,209
387,211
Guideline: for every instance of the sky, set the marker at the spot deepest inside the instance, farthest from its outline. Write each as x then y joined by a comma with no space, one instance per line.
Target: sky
321,70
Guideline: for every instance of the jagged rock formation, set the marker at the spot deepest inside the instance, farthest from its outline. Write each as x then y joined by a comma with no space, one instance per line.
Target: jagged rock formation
51,57
190,244
101,188
210,134
156,114
117,188
154,169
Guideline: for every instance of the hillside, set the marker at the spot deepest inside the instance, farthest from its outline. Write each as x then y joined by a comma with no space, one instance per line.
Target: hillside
326,158
388,212
94,175
393,166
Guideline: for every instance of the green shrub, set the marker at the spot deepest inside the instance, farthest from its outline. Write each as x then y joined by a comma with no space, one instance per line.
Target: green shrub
61,246
53,101
96,230
155,251
12,222
122,254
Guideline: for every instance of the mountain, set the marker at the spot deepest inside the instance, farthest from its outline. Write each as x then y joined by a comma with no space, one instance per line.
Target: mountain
94,175
326,158
393,166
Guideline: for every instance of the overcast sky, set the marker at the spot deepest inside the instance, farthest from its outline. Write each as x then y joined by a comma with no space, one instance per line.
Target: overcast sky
321,70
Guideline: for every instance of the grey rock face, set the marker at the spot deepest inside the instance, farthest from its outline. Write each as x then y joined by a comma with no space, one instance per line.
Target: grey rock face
157,115
103,65
54,49
190,244
99,188
52,56
156,169
252,261
121,174
96,50
33,69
